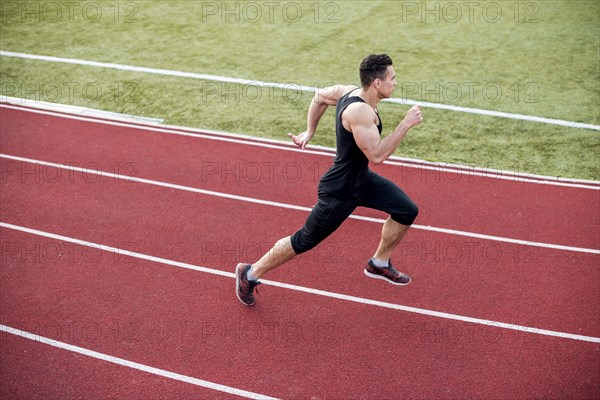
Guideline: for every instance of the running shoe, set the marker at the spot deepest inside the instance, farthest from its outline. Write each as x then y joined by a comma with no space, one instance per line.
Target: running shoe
244,287
389,274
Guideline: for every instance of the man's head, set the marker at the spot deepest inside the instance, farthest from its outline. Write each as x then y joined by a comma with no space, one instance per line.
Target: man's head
376,70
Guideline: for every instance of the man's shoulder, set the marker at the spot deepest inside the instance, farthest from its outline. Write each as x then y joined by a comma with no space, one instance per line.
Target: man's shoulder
357,114
358,110
331,95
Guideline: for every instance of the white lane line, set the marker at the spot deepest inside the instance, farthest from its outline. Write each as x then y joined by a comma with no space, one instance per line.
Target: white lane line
105,174
437,167
339,296
491,113
288,86
134,365
492,175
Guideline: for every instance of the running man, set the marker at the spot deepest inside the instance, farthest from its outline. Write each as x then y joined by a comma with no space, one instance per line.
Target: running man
349,182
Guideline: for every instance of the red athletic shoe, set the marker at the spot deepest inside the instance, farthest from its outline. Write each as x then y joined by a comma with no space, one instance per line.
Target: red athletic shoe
388,274
244,287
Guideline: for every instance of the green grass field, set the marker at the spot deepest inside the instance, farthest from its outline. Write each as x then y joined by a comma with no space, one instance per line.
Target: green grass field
536,58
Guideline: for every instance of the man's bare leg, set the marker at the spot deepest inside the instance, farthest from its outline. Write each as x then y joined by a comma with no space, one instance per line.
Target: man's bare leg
279,254
392,234
246,278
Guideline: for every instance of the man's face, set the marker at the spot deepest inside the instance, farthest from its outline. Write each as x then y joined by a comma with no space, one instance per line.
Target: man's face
386,86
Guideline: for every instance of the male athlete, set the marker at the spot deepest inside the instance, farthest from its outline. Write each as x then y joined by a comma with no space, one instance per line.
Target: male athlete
349,183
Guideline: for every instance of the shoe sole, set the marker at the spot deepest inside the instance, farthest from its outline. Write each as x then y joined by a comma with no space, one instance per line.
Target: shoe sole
370,275
237,285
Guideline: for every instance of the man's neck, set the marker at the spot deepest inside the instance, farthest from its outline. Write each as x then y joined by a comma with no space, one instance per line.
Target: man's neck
370,96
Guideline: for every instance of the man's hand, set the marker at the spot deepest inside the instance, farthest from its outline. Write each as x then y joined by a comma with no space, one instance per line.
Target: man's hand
301,139
413,117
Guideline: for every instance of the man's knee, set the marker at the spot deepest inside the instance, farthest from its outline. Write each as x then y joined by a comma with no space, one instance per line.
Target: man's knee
285,244
414,212
303,242
408,215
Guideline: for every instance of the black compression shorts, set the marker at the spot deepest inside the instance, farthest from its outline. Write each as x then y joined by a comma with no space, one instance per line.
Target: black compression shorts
329,212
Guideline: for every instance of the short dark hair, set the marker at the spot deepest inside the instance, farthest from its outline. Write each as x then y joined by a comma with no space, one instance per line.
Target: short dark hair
374,66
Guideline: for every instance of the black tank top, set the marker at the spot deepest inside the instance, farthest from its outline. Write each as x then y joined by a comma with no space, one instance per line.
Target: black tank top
348,176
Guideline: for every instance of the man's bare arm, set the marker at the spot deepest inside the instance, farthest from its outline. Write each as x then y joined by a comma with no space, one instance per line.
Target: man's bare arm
361,120
322,99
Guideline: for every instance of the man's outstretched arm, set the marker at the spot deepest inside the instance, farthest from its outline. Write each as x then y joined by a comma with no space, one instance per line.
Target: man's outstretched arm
322,99
360,117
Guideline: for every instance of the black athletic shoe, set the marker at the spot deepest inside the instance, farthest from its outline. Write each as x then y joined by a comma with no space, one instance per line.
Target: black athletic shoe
388,274
244,287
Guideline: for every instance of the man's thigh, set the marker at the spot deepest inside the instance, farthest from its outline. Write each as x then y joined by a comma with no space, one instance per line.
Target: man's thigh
384,195
326,216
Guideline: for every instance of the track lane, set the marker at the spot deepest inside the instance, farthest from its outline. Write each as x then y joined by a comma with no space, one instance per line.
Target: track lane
499,354
512,209
193,325
507,283
80,377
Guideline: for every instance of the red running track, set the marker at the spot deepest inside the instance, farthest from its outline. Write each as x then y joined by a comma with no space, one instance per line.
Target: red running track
39,371
196,229
482,204
292,345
